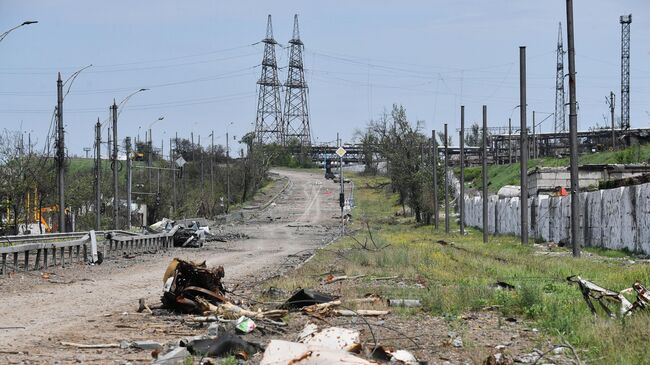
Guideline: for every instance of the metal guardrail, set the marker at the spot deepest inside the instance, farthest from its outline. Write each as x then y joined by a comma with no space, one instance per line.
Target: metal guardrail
4,240
124,242
140,243
43,251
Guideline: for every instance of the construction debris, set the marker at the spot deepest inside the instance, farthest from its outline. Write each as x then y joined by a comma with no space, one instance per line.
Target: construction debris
285,352
223,346
329,309
591,291
409,303
306,297
331,337
186,283
190,236
385,354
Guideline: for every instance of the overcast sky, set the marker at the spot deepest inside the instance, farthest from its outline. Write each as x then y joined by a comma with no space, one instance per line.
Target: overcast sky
201,61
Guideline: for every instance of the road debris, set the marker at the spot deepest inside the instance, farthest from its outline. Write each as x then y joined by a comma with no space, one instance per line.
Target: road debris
245,324
329,309
387,354
91,346
593,292
331,337
408,303
306,297
285,352
185,283
224,345
173,357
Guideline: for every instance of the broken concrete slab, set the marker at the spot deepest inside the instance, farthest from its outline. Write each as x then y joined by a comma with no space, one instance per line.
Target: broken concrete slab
176,356
280,352
331,337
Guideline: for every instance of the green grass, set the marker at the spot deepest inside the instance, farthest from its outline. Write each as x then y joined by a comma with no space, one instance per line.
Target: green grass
459,277
501,175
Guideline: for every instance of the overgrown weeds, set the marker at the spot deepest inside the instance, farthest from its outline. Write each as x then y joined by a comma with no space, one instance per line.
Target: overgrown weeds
460,276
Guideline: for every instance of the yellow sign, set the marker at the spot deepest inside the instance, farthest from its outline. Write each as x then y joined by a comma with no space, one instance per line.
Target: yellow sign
341,151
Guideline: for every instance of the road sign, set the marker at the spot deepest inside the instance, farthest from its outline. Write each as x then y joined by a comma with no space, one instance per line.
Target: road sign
180,161
341,151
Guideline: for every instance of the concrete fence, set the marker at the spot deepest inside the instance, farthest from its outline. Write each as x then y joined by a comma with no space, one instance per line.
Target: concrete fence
616,218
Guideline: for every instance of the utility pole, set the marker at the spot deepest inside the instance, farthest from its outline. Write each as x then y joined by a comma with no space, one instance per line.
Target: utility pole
342,191
573,135
523,146
461,199
129,180
108,143
202,170
149,157
60,152
611,111
485,174
115,167
212,156
510,141
227,174
446,182
534,144
174,171
98,175
434,164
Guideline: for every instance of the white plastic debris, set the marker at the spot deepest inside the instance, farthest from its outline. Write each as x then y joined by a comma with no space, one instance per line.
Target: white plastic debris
403,357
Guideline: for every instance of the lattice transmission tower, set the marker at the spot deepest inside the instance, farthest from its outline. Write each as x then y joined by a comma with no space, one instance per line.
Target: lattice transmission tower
296,110
560,100
626,20
268,123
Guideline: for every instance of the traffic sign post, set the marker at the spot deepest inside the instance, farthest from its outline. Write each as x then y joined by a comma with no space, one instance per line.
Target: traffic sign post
341,152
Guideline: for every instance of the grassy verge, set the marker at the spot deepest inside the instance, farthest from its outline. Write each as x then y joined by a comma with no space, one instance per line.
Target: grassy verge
500,175
457,277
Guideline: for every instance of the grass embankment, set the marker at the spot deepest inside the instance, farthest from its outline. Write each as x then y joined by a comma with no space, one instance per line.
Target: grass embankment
459,277
500,175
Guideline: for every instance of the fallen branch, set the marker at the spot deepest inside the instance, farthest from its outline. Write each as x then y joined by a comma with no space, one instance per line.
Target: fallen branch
91,346
231,311
566,345
360,312
332,279
386,278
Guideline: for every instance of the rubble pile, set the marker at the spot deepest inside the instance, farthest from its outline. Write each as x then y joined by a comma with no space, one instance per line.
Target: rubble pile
192,235
194,288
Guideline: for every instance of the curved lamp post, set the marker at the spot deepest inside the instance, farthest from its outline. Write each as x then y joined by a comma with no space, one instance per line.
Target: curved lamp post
3,35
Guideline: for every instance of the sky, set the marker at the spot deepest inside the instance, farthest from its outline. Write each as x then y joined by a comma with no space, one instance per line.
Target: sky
201,60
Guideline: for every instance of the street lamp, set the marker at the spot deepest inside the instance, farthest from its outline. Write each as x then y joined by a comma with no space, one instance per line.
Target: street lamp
3,35
228,169
115,114
123,102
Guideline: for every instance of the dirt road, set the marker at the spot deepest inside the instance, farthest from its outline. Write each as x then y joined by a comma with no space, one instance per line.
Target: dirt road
87,303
